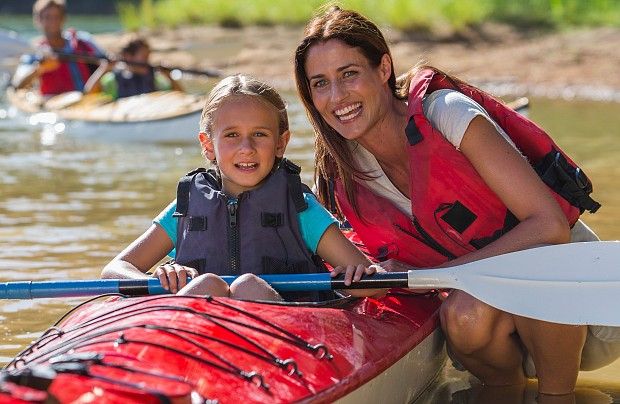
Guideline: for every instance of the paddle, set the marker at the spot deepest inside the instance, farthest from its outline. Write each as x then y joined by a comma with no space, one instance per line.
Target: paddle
80,57
92,59
570,283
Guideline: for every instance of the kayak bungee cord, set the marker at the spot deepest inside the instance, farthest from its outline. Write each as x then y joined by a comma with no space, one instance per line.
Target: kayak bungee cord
319,350
87,338
54,326
41,378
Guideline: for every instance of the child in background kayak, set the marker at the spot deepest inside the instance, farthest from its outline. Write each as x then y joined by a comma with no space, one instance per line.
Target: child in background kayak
250,215
120,79
55,76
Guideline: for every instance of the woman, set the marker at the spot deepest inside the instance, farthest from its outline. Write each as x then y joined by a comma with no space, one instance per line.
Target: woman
366,156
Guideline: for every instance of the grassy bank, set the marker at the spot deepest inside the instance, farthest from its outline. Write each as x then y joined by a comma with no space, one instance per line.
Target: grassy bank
409,15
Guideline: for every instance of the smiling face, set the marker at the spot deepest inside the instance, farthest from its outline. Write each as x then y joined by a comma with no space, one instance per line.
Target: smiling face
346,89
245,140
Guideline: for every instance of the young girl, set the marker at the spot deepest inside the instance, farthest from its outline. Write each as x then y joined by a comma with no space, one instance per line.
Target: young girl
248,216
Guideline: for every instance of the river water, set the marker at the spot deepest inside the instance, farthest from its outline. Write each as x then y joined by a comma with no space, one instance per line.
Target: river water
68,205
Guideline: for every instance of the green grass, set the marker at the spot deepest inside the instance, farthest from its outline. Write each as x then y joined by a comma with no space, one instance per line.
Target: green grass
410,15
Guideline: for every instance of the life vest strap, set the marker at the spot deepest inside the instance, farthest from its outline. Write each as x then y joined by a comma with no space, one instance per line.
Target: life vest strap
183,192
569,182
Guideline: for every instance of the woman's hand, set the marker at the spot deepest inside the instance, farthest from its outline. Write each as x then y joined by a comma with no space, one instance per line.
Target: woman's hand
353,273
173,277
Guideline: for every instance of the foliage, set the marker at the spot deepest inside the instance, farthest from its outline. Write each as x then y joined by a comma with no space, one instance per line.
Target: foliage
410,15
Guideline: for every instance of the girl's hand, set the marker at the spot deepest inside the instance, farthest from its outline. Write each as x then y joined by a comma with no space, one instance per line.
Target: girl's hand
353,273
173,277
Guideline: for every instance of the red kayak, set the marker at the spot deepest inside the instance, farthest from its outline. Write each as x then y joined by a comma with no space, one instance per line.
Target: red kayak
195,349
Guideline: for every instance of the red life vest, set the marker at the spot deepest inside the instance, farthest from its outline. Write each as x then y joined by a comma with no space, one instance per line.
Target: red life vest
453,210
69,75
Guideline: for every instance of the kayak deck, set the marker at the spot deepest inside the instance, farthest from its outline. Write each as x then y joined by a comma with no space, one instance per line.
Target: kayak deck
142,349
99,108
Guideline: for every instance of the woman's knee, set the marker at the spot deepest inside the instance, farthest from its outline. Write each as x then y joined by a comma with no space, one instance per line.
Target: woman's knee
467,322
206,284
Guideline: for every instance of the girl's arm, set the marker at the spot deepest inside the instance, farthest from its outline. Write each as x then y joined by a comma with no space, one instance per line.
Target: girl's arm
142,254
516,183
340,253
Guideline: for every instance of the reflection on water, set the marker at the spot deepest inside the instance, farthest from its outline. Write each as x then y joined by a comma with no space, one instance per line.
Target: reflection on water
68,206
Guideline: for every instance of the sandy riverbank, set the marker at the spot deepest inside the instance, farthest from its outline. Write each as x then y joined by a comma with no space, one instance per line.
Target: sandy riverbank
580,63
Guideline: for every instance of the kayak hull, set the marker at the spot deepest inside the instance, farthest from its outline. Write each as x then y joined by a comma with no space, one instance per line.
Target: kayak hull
362,350
158,117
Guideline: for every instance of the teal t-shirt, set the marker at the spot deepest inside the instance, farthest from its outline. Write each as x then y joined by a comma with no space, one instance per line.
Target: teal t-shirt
312,223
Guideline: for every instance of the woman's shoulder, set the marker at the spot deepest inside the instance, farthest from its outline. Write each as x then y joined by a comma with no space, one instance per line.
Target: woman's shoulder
448,99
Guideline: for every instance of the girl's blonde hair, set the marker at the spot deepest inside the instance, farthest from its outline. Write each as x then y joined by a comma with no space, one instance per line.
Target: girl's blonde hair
242,85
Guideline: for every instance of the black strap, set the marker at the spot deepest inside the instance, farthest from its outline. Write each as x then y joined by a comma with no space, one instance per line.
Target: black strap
414,136
183,192
295,186
197,223
571,183
269,219
510,221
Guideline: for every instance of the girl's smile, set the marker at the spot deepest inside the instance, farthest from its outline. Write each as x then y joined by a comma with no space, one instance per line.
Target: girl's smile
245,142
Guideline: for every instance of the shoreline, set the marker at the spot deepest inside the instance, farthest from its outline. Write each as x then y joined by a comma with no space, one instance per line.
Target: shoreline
578,64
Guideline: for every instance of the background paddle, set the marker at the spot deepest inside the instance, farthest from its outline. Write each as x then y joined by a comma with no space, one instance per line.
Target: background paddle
80,57
570,283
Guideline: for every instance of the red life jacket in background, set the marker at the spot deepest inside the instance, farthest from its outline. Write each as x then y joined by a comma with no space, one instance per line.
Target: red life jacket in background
453,210
70,75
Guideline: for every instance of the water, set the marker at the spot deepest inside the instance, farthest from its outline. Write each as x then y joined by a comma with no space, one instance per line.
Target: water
22,24
68,206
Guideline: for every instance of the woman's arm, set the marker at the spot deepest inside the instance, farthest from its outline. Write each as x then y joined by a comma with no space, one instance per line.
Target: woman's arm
516,183
142,254
340,253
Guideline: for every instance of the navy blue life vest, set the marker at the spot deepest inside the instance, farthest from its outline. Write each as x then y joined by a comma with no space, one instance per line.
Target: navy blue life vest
130,84
256,232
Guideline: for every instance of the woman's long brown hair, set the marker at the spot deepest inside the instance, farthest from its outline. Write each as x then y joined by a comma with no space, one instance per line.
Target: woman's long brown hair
333,159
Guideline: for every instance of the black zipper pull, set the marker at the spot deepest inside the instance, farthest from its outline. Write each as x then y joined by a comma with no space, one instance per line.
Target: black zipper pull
233,204
234,253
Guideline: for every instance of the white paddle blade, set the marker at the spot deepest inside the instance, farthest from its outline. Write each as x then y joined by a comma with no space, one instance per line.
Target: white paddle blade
576,283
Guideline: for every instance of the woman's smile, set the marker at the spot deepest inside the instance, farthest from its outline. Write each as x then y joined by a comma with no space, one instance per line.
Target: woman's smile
349,112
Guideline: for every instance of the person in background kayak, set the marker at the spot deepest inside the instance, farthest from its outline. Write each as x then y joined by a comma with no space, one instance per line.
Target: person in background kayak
249,215
124,79
364,162
55,76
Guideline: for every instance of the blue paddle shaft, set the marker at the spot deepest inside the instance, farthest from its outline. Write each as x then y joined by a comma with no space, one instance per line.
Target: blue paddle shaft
152,286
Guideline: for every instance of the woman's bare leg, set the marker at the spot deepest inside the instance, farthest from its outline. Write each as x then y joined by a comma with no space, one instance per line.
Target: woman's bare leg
556,351
488,343
482,339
